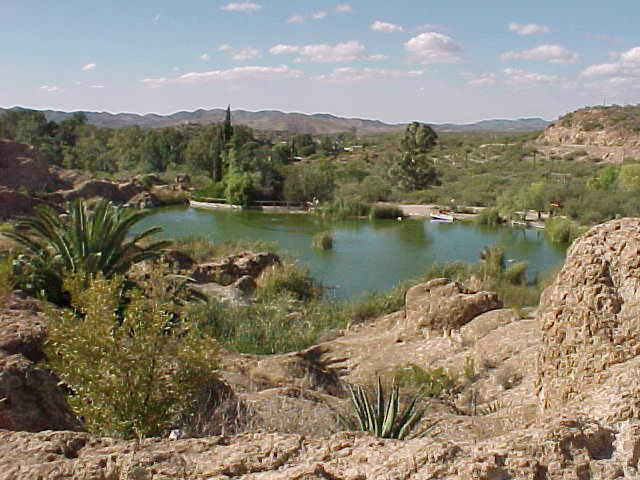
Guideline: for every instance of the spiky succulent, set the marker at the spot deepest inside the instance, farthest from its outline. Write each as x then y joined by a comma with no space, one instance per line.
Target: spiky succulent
383,417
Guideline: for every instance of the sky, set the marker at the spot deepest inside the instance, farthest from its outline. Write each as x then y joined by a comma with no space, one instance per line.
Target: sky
396,61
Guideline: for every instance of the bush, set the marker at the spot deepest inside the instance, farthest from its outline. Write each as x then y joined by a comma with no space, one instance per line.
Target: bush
287,278
490,217
202,249
380,212
345,208
322,241
6,284
131,371
240,188
432,382
562,230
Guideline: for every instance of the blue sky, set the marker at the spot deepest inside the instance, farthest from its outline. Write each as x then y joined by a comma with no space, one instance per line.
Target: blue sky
432,61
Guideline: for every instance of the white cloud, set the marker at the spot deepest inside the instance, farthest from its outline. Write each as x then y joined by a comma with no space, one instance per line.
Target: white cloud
244,7
204,57
282,49
88,67
245,54
429,27
225,47
50,88
549,53
386,27
378,57
233,74
432,47
515,76
481,79
156,18
318,15
96,86
351,74
295,19
627,64
344,8
341,52
528,29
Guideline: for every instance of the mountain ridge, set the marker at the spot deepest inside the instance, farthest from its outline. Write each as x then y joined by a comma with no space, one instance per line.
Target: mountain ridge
276,120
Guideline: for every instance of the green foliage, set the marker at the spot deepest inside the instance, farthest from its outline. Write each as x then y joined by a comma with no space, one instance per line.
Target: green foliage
418,138
562,230
490,217
434,382
381,212
322,241
6,282
414,172
133,372
240,188
344,208
606,179
202,249
383,419
85,241
287,279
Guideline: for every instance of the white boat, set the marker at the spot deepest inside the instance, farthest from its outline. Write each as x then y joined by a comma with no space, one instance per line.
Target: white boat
441,217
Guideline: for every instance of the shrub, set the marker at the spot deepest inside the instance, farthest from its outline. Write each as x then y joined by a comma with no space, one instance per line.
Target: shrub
131,371
490,217
381,212
344,208
202,249
322,241
561,230
433,382
240,188
6,284
287,278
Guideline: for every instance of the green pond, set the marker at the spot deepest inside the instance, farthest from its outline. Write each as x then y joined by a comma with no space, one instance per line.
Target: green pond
367,255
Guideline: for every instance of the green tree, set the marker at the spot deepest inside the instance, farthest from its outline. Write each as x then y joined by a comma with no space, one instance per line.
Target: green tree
85,241
414,172
418,138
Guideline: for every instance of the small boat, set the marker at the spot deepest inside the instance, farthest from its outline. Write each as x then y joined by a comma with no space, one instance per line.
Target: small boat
441,217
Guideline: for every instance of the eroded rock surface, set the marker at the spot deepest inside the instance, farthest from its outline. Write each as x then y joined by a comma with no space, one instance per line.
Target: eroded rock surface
441,305
30,397
590,319
227,270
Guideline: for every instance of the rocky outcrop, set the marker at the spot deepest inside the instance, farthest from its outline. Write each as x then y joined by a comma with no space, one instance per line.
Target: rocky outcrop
230,269
441,305
13,203
590,318
562,450
30,397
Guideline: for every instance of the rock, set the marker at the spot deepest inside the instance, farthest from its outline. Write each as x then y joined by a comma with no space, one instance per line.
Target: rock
144,200
590,318
246,284
178,260
14,204
230,269
441,305
222,294
561,450
30,397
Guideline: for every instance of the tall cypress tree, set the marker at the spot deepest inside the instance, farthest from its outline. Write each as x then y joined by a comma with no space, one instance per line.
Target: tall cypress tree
228,129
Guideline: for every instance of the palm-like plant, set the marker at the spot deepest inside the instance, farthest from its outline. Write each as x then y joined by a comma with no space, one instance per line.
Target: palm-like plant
85,241
383,418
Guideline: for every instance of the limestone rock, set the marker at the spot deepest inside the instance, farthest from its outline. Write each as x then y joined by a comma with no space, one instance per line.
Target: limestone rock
230,269
30,397
442,305
590,318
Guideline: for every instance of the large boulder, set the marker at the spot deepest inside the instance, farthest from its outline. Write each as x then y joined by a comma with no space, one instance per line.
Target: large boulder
31,398
590,319
441,305
230,269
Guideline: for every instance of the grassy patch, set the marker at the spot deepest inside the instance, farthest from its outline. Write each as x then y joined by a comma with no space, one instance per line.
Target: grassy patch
202,249
322,241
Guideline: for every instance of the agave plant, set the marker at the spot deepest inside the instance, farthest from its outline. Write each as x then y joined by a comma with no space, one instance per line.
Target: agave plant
84,240
383,418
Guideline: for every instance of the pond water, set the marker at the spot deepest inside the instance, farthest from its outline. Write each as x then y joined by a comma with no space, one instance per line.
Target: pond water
367,255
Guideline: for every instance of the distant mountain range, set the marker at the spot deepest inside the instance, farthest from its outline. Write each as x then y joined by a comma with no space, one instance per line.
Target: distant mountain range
273,120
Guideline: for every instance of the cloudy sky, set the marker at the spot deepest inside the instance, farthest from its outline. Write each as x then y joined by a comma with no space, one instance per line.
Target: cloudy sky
403,60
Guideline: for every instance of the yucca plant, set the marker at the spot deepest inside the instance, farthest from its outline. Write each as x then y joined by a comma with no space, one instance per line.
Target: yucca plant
84,241
383,418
